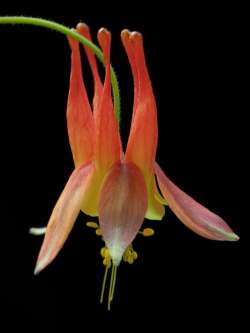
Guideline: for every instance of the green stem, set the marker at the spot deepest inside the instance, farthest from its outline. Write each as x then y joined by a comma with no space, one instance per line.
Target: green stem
67,31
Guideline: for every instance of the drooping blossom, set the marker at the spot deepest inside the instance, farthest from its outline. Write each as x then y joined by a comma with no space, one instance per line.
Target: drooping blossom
120,188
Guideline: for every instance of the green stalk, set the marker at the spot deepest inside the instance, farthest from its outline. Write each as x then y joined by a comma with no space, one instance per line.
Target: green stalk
67,31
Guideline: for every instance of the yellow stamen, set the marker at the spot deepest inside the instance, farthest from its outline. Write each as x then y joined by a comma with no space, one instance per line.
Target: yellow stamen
107,262
147,232
104,252
135,255
130,255
93,225
130,260
98,232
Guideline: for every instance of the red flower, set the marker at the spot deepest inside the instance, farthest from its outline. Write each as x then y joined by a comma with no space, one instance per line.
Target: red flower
118,188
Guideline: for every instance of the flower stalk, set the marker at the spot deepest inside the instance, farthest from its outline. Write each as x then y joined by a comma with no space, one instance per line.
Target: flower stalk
51,25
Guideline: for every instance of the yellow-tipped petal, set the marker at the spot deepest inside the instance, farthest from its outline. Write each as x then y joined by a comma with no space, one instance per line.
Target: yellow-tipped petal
155,210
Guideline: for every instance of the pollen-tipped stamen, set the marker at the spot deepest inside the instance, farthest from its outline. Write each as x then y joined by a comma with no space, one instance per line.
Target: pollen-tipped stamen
91,224
147,232
130,255
107,262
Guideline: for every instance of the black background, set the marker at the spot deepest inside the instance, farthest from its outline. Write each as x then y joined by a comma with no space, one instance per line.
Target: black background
195,58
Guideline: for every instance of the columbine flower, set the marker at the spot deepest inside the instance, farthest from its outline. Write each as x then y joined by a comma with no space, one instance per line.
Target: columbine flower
118,188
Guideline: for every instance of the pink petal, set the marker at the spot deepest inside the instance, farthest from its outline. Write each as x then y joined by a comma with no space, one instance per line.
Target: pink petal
63,216
191,213
123,203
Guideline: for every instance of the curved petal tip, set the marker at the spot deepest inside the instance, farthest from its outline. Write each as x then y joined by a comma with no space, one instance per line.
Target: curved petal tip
195,216
63,216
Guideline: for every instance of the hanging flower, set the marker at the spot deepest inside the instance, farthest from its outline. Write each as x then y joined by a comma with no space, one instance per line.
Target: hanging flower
118,188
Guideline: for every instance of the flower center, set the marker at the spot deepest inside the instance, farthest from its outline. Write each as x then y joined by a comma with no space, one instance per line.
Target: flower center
107,262
129,256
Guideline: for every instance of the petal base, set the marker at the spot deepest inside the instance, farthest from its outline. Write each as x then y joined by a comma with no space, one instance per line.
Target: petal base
155,210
